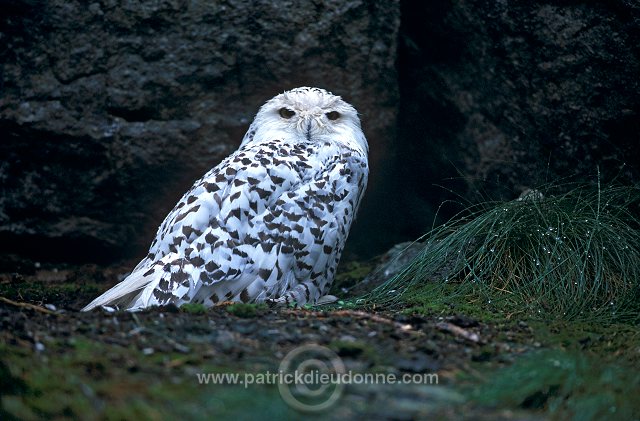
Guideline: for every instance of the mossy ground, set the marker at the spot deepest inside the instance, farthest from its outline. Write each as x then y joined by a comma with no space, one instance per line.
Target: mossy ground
565,264
567,384
121,366
582,370
246,310
94,380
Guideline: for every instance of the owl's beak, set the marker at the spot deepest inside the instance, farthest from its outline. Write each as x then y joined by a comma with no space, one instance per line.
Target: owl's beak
310,122
308,132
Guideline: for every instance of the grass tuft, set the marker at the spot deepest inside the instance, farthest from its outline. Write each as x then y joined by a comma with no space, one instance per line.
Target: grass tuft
574,255
567,385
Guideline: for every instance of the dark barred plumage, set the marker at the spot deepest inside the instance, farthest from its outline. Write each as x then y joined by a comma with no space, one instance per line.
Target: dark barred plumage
268,223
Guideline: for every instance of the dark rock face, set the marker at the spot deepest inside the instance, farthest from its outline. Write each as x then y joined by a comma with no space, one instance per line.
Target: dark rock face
109,112
505,95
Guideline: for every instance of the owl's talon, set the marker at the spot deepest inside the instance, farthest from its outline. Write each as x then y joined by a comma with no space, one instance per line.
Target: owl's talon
275,302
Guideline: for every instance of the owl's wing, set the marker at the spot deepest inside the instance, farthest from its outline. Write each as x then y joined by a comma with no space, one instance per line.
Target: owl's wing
199,220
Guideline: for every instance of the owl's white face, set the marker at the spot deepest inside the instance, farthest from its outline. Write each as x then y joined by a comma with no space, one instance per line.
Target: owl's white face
308,115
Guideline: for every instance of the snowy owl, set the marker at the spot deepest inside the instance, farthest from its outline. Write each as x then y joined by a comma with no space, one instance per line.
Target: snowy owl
269,223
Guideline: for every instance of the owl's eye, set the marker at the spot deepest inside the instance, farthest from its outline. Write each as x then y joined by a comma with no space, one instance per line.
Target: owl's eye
333,115
286,113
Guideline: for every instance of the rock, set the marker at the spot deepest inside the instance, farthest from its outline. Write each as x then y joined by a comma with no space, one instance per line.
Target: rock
503,96
389,265
109,112
418,363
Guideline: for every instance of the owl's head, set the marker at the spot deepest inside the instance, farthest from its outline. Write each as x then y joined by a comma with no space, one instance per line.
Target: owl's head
307,115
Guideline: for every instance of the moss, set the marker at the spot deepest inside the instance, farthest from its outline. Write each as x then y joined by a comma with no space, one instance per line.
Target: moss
566,385
61,293
193,308
349,274
437,299
353,349
610,342
63,383
347,304
245,310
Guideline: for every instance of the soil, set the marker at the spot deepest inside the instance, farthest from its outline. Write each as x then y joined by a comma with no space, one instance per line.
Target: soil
64,363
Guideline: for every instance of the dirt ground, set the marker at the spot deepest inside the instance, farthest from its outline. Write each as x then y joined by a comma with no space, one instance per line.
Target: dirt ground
60,363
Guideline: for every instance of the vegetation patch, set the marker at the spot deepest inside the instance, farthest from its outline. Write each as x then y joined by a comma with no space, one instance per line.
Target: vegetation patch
193,308
573,255
566,385
245,310
350,274
353,349
96,380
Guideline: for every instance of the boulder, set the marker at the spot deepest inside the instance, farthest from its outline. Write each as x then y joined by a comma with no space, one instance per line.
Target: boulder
502,96
109,111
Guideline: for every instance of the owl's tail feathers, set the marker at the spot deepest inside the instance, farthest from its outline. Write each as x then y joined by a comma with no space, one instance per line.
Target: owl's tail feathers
127,292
